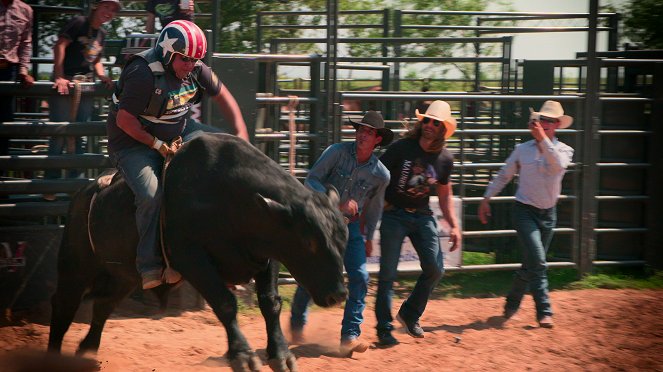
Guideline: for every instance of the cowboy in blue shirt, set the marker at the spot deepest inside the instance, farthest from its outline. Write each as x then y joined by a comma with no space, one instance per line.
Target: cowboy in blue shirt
361,180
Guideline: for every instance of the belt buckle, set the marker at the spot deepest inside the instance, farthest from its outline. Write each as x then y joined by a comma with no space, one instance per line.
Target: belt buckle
410,210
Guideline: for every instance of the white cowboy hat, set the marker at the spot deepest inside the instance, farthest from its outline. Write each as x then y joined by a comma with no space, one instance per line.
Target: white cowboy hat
552,109
440,110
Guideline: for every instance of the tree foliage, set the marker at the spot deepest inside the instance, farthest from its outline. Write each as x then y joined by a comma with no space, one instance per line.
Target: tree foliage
643,21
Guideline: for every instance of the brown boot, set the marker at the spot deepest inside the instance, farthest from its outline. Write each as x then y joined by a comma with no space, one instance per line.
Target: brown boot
350,346
546,322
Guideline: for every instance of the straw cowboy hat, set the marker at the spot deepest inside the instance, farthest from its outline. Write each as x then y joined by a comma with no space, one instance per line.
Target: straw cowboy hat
374,120
552,109
441,111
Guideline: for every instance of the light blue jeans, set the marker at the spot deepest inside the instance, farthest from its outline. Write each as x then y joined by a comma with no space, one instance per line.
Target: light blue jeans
355,266
422,230
141,167
535,231
59,109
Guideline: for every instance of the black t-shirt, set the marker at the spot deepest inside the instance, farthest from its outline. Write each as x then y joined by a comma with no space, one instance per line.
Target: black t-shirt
414,173
167,11
86,47
137,84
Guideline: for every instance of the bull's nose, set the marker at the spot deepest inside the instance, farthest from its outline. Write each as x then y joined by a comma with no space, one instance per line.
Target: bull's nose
336,298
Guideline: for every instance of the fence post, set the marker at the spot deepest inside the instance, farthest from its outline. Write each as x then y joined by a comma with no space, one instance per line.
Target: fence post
654,237
591,148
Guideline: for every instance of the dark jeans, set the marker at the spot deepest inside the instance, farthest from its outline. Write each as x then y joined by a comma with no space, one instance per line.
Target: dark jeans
422,230
535,231
59,110
355,265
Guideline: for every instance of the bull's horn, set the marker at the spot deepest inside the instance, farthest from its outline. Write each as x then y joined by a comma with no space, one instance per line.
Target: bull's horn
271,204
332,193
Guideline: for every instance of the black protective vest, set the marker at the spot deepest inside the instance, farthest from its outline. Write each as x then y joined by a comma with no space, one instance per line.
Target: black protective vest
159,97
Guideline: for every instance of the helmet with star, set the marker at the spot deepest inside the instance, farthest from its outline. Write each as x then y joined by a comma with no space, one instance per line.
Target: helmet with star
182,37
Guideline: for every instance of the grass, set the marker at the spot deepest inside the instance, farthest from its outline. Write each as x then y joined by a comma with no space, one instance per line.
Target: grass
486,284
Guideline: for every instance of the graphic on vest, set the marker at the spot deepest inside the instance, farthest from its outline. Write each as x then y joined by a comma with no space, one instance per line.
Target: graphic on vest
91,48
181,99
417,178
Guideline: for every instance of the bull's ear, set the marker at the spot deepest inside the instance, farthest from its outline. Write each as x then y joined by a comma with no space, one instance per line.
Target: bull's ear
332,193
272,206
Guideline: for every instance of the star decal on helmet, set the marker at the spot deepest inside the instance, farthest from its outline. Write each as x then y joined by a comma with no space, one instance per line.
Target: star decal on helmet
167,44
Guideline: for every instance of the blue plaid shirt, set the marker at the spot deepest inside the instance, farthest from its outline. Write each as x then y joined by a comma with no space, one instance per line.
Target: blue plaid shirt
365,183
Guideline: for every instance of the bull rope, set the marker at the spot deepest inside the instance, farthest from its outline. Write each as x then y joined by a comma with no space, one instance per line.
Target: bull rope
292,105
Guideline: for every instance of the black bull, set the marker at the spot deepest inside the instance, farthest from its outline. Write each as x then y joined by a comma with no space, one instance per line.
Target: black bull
230,214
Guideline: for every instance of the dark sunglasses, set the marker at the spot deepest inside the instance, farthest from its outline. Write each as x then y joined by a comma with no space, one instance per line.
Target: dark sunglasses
189,59
426,120
546,119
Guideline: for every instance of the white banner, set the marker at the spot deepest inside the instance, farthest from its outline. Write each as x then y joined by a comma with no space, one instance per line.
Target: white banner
409,259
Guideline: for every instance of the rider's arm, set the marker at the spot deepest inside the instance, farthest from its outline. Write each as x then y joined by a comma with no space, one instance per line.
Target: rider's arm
231,112
131,126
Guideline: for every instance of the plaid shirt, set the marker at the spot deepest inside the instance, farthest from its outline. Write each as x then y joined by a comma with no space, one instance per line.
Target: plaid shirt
16,34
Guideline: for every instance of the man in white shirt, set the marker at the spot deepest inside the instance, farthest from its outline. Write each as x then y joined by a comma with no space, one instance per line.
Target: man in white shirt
540,164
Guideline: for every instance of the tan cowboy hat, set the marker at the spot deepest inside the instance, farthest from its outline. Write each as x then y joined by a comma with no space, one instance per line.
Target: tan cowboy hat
440,110
374,120
552,109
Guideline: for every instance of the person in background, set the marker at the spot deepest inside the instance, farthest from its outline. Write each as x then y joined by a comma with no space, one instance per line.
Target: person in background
361,180
420,165
15,52
540,164
167,11
77,58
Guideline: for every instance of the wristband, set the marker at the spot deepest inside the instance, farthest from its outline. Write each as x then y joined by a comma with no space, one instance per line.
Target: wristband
157,144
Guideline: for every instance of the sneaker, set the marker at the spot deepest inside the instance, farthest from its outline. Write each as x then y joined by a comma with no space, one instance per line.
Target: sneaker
413,329
297,336
152,279
353,345
385,339
170,276
546,322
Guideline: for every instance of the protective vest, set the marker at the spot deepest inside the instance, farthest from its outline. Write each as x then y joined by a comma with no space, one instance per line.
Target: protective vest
159,97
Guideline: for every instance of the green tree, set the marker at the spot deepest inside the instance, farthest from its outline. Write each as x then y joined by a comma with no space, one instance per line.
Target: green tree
643,23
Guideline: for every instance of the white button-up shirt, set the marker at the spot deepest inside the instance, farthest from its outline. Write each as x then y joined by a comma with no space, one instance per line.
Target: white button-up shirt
540,173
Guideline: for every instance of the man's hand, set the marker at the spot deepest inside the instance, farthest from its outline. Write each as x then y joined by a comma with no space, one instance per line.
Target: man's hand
62,85
165,150
455,237
369,248
536,130
349,208
108,82
26,80
484,211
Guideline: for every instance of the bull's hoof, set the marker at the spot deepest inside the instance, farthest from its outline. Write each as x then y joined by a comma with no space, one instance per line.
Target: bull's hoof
288,364
246,361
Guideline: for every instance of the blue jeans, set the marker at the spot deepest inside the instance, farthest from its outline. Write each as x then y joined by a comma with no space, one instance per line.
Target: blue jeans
535,231
59,110
422,230
141,167
355,265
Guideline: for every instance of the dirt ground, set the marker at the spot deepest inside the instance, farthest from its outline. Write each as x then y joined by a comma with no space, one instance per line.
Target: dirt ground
595,330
